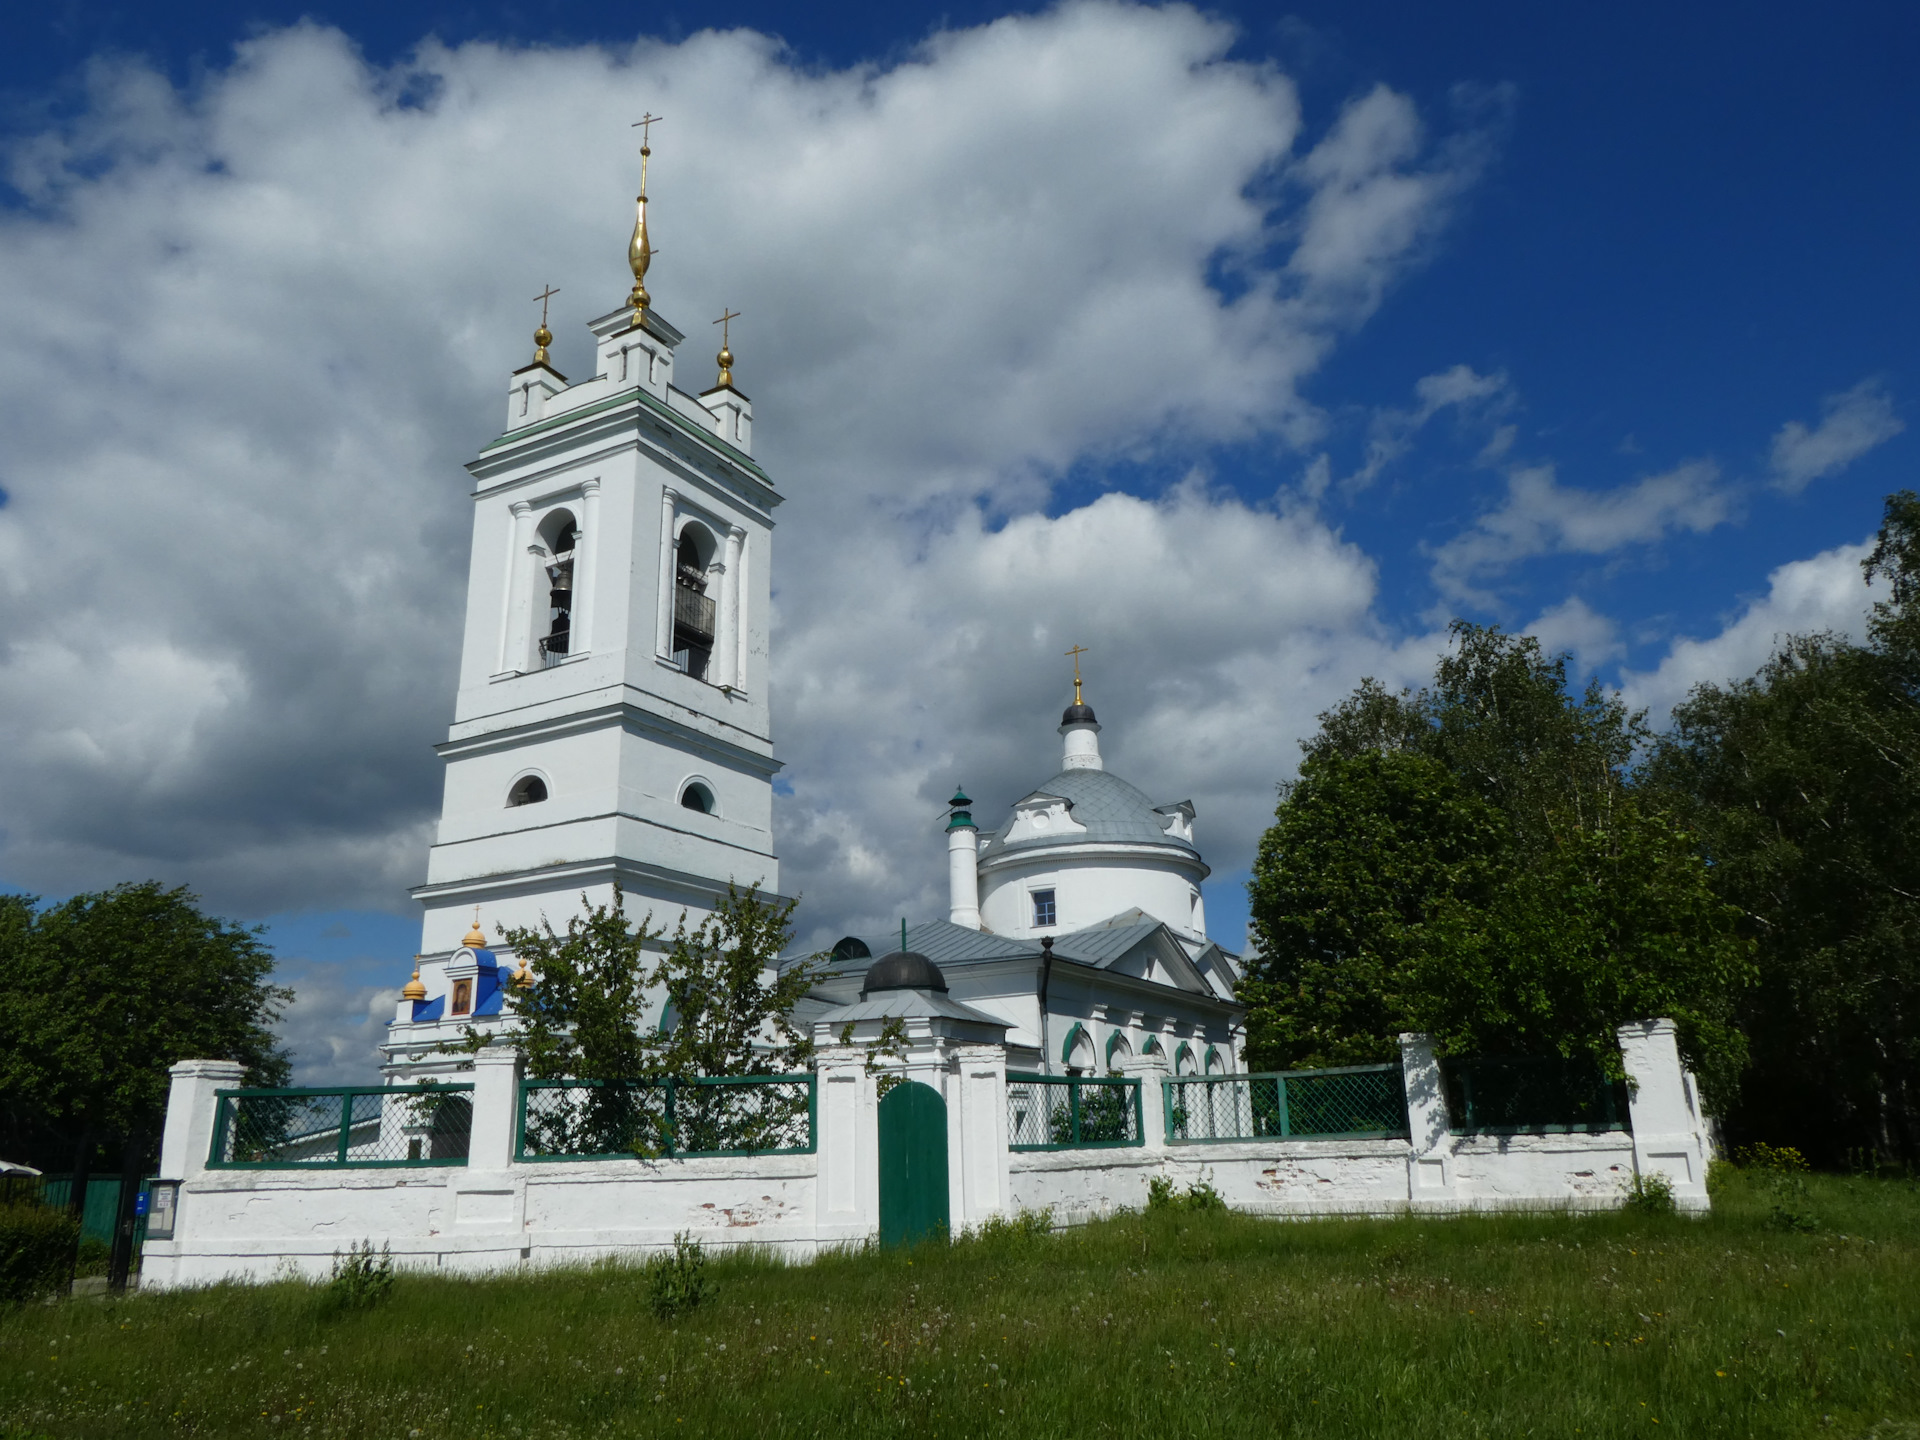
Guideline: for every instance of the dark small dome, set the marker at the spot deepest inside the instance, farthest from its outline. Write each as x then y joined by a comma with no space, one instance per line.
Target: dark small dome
903,970
851,947
1078,714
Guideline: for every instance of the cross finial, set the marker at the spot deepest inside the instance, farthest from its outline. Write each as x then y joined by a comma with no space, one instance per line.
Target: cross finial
645,126
1076,652
725,358
543,337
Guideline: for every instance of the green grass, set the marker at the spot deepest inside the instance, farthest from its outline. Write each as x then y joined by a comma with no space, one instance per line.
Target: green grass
1162,1325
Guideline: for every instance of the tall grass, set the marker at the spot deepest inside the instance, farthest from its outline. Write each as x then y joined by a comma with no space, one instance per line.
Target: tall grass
1179,1322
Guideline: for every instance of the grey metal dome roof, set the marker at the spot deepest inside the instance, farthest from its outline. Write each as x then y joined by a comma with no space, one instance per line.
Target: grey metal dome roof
1078,714
903,970
1110,808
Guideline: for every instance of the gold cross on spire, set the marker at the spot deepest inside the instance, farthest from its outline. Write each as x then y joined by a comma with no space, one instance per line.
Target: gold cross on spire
543,337
725,358
1076,652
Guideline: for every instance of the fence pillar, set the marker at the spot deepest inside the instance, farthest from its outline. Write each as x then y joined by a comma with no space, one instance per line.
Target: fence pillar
1153,1098
1430,1177
187,1136
979,1133
846,1142
496,1100
1669,1134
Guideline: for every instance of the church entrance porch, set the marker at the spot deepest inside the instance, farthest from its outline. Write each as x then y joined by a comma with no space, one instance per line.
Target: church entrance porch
913,1164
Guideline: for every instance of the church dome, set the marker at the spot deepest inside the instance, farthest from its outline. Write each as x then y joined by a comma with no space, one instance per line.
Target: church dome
1112,811
903,970
1078,713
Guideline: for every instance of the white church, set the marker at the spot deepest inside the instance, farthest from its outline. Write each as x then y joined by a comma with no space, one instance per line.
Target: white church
1068,1036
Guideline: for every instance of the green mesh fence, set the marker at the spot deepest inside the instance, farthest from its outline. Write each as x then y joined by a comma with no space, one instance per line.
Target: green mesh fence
1496,1095
343,1126
1066,1112
1362,1101
717,1115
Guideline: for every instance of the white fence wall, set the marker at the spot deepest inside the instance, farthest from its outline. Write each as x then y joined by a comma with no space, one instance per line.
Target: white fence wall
493,1213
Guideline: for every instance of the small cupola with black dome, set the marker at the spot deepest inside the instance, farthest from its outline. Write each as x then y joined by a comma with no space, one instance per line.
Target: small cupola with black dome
903,970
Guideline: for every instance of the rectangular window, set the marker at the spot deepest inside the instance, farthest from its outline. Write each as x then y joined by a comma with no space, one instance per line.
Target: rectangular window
462,996
1043,911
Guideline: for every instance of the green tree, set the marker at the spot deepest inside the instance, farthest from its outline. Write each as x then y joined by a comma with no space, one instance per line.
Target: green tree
731,1004
1471,860
1603,927
99,995
584,1014
1801,783
1356,885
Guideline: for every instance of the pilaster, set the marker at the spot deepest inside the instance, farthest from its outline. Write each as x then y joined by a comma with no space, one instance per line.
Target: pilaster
187,1135
1669,1134
1430,1178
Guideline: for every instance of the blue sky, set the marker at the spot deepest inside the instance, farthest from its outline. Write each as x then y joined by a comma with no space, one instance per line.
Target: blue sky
1637,367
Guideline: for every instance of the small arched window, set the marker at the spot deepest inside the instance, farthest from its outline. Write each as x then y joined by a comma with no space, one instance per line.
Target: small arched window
697,797
528,791
692,606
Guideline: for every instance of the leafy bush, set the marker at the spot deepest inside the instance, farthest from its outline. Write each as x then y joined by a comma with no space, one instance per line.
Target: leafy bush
678,1282
1773,1159
95,1256
361,1279
1650,1195
36,1251
1200,1196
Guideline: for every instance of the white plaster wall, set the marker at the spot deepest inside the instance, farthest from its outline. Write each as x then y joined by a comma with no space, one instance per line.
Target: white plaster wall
254,1225
1090,884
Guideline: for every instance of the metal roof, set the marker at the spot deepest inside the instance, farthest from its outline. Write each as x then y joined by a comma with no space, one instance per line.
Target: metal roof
1110,808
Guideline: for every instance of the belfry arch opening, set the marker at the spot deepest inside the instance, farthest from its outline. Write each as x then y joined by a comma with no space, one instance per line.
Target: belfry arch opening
697,796
693,609
558,533
528,790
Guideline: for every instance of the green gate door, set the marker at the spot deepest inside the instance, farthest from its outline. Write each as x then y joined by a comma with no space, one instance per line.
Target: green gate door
913,1164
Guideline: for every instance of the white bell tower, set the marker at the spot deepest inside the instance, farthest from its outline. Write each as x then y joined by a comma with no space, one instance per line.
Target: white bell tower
612,721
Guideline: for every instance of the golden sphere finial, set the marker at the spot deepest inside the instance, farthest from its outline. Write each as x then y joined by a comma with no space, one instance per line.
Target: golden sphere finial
413,989
476,937
543,337
725,358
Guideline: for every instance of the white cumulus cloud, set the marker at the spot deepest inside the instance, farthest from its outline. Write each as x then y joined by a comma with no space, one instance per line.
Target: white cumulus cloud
1851,424
1825,592
1540,516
